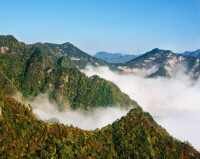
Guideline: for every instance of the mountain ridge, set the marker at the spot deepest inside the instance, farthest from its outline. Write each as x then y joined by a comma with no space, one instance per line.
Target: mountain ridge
114,57
162,58
192,53
135,135
35,70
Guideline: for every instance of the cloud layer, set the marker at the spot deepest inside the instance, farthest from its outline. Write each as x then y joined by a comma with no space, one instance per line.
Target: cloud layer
86,120
174,102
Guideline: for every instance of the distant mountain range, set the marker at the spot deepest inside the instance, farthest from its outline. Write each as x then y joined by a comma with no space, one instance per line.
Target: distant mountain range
114,57
165,60
192,53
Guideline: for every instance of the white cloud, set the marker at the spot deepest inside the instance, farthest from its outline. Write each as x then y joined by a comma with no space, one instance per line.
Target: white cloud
174,103
86,120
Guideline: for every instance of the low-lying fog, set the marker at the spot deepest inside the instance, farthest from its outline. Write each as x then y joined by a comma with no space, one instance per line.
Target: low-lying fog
87,120
174,102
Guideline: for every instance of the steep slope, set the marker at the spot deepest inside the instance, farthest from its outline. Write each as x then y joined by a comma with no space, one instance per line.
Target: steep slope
165,60
10,44
161,72
34,72
114,57
136,135
7,85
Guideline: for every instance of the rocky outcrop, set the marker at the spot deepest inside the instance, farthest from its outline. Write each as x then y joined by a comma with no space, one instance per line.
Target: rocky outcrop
4,50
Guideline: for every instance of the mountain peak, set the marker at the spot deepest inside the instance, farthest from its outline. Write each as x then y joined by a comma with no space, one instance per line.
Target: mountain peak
9,36
160,50
7,40
8,43
156,49
67,44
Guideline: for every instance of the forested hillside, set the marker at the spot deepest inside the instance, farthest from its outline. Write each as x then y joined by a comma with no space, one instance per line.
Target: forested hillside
136,135
78,57
32,71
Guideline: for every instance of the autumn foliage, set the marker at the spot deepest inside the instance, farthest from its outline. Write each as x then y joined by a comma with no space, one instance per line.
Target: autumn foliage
136,135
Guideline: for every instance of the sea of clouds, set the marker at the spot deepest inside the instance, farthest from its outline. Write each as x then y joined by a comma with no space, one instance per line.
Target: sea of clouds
173,102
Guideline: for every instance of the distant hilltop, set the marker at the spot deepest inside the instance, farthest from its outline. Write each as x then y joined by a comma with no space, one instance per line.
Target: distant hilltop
192,53
114,57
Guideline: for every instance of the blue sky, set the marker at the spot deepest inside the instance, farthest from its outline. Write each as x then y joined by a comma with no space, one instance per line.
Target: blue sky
128,26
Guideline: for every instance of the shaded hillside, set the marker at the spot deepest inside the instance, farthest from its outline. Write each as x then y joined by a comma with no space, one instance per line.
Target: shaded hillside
161,72
134,136
32,71
114,57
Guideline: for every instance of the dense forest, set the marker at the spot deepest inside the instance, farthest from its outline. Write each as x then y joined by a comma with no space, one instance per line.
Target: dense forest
136,135
31,71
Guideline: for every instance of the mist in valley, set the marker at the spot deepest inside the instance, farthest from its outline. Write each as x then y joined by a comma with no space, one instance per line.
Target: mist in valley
86,120
173,102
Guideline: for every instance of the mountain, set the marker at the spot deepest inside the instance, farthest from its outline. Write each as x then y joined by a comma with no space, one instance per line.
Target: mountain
114,57
33,70
30,70
76,56
135,135
165,60
192,53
